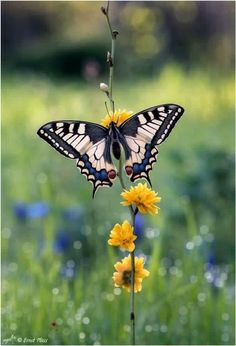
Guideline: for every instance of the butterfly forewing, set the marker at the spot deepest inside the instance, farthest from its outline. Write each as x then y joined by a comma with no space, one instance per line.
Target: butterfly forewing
143,132
89,143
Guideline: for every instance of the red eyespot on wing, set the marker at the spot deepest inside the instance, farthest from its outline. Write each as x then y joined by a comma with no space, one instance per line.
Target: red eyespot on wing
129,170
112,174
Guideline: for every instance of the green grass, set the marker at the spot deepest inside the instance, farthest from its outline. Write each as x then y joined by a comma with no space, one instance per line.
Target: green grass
177,305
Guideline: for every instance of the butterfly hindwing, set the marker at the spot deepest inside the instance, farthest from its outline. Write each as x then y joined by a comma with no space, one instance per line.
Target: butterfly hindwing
142,133
86,142
97,166
139,164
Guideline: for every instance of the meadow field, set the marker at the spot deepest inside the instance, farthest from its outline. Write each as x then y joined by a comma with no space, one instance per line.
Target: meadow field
56,264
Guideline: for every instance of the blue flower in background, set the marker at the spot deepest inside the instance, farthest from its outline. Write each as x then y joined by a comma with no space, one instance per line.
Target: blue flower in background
68,270
25,211
139,226
20,211
38,209
62,241
72,213
211,261
215,275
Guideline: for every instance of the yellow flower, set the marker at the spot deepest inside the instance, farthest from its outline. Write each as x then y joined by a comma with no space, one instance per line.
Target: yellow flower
118,117
122,276
143,197
123,236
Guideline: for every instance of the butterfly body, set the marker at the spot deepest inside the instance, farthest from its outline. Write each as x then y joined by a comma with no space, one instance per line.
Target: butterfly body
93,145
115,140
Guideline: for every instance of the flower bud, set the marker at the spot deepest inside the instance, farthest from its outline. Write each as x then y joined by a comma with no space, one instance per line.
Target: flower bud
115,33
103,10
104,87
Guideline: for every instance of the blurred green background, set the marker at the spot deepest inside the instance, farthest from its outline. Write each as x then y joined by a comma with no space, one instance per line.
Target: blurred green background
56,264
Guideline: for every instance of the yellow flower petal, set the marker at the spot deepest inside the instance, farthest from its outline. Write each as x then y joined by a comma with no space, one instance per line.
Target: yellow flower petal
123,236
122,278
143,197
131,247
118,117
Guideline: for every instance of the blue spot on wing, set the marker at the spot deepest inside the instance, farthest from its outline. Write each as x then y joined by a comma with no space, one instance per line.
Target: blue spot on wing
103,174
145,162
141,167
136,168
88,165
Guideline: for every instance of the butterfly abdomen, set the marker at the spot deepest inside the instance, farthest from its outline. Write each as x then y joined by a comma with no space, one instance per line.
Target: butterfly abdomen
116,149
115,141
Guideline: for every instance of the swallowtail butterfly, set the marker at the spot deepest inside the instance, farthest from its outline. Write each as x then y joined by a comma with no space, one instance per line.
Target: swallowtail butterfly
92,145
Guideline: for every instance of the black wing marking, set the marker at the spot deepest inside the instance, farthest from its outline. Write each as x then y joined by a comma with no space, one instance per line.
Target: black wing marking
142,133
86,142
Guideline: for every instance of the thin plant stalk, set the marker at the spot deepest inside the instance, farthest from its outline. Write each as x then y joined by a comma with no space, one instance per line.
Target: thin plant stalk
132,313
132,214
110,60
110,57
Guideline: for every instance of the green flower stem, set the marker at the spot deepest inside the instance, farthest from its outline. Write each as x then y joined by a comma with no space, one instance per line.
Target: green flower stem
132,314
132,214
111,75
110,60
120,176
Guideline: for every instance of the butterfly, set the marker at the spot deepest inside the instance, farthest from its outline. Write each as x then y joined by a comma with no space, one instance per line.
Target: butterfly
92,145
